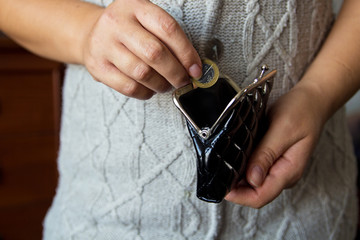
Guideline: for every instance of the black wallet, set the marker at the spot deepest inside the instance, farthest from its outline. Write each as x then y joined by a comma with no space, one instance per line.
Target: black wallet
225,122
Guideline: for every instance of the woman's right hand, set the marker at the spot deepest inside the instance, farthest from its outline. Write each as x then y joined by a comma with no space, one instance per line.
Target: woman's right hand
138,49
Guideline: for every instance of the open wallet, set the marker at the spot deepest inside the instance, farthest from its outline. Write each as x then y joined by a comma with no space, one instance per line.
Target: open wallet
225,123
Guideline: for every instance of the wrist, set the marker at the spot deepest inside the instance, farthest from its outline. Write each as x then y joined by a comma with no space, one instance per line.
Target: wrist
330,84
82,31
318,102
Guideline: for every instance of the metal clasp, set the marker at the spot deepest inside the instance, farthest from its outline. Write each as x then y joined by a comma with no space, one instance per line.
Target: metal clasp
206,132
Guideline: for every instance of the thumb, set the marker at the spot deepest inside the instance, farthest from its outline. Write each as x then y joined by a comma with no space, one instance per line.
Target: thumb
270,148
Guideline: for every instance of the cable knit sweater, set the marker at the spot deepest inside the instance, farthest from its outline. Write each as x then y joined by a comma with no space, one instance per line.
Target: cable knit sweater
127,167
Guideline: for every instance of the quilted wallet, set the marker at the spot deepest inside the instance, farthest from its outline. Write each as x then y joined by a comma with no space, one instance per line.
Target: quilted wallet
225,122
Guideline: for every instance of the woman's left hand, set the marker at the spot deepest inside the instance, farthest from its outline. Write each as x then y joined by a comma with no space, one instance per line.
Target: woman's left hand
278,162
297,118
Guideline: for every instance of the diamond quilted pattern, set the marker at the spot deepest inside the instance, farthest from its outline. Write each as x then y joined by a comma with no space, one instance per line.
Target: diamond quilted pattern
222,157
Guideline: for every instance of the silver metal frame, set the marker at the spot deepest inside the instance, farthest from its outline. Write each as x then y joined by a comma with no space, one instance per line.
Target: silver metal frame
205,133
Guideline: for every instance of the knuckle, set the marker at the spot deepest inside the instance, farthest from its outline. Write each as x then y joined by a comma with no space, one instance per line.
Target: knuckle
146,95
163,88
109,17
95,68
179,80
142,72
154,51
169,25
188,59
268,156
131,89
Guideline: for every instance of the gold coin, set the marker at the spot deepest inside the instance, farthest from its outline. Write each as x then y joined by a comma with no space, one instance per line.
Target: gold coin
210,74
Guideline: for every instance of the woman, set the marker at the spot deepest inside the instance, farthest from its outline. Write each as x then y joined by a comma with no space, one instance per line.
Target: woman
127,167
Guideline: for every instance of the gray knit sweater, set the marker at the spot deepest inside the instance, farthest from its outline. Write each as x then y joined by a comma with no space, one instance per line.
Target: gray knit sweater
127,167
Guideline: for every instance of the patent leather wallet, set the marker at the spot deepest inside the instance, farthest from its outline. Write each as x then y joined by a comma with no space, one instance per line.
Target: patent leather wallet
225,122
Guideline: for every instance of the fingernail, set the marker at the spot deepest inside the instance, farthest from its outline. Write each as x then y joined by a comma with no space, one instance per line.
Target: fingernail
195,71
257,176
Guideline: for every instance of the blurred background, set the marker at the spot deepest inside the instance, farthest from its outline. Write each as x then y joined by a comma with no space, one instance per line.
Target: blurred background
30,106
30,90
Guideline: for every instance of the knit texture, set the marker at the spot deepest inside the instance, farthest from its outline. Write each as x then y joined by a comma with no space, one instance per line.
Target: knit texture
127,167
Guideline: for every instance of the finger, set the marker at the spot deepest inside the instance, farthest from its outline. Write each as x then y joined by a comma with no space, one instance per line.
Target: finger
137,70
154,53
272,186
275,142
162,25
112,77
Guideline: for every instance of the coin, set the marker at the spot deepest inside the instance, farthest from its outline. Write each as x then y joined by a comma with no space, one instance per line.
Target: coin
210,74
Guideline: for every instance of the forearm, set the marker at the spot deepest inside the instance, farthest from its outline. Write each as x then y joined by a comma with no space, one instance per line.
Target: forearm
54,29
334,75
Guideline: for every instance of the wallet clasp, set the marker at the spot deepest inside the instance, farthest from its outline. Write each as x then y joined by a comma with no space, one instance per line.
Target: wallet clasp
205,132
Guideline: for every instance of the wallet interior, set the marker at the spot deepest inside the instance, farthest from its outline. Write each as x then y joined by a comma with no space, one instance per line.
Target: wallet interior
205,105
